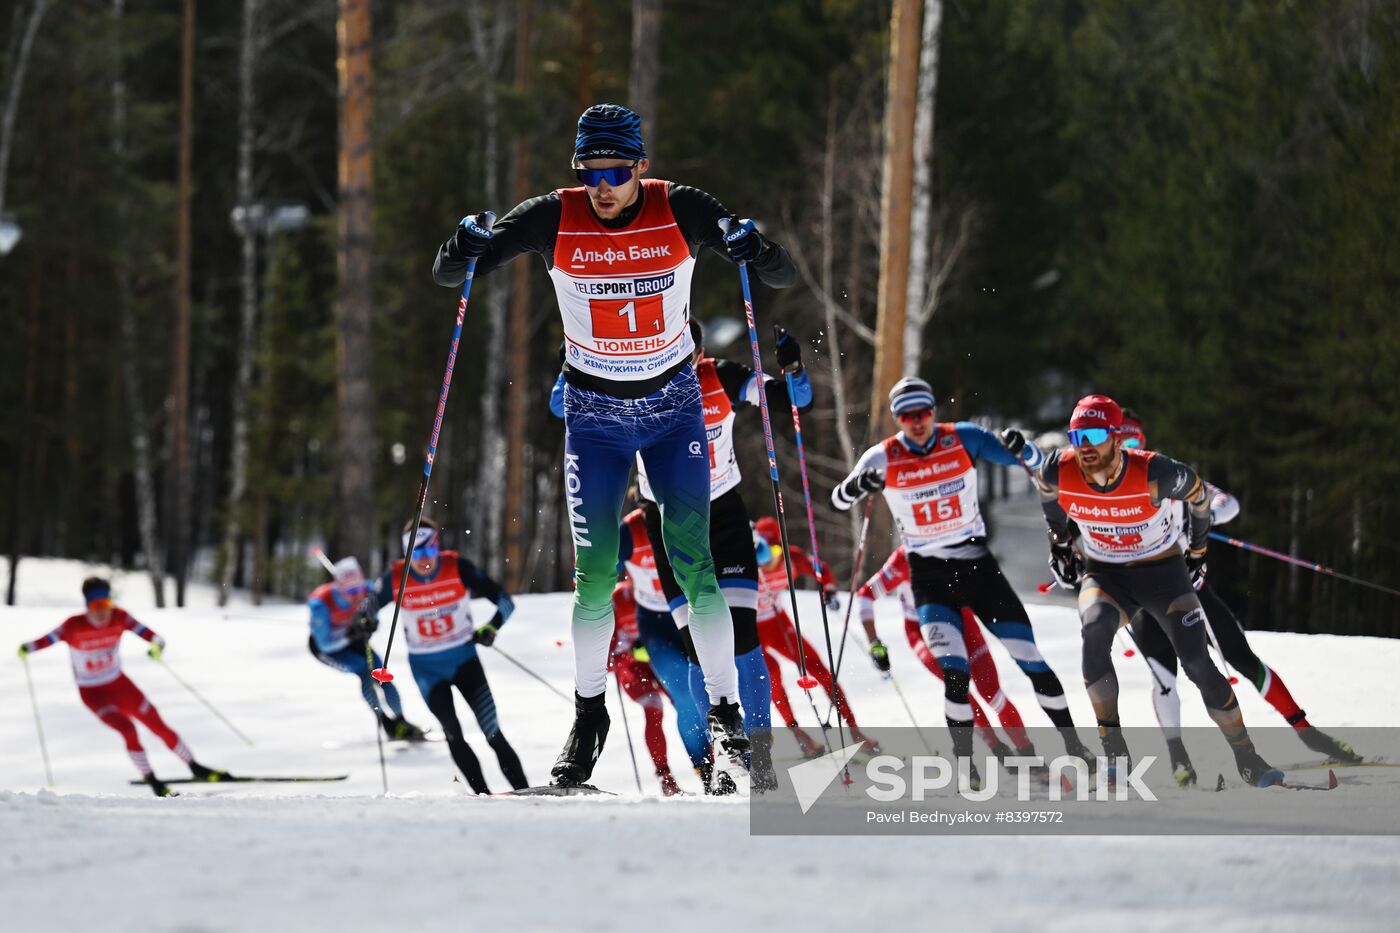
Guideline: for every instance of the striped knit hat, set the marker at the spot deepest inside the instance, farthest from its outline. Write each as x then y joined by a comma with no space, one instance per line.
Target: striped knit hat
609,131
909,394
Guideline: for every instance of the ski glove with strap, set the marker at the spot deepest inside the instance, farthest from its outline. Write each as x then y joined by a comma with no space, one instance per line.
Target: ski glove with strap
742,240
473,237
1196,567
789,352
863,484
1065,563
879,655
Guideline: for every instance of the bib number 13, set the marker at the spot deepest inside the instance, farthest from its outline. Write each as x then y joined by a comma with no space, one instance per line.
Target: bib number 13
624,318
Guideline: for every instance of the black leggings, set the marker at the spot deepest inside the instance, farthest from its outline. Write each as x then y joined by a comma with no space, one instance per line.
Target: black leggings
1229,637
1111,594
470,680
731,544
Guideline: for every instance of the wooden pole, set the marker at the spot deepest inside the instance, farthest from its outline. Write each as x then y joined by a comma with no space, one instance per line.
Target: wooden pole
895,203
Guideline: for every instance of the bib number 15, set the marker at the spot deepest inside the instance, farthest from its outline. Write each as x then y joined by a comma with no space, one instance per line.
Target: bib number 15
937,511
625,318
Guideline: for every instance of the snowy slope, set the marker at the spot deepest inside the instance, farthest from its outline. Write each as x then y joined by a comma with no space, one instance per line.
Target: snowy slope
428,857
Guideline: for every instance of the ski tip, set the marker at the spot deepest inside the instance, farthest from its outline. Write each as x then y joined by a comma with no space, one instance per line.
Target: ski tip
1331,779
381,674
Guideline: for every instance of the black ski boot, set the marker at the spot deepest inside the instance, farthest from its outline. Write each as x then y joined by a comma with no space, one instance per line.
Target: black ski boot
212,775
585,742
1115,749
401,730
158,786
1255,771
1183,772
761,772
1075,748
730,745
1322,743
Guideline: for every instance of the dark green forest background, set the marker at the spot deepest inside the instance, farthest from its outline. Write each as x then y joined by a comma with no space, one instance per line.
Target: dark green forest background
1190,206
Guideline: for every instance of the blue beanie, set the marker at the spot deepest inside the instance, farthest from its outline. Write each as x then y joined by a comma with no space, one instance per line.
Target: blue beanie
609,131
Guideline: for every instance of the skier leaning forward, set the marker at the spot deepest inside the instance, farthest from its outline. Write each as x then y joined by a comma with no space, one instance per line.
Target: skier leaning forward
928,475
1123,502
620,251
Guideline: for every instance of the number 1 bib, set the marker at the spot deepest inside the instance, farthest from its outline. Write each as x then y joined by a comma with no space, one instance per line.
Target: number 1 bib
624,294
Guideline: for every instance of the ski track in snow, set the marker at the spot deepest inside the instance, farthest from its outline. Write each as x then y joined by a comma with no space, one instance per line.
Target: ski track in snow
98,854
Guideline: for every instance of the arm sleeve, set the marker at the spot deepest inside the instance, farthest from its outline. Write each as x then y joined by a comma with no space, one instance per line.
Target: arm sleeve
844,495
556,397
46,641
983,444
1223,506
1048,479
136,628
482,585
321,627
698,215
1176,480
530,227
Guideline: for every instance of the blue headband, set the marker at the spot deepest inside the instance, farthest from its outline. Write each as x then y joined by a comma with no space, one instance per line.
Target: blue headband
97,592
609,131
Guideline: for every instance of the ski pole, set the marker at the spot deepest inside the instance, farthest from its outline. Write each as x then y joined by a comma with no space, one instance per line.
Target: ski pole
1289,559
816,553
325,561
382,674
38,723
552,689
855,579
378,726
627,728
805,680
200,697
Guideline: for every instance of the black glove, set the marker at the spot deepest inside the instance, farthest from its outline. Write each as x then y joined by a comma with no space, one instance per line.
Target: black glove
1065,563
879,655
870,481
1013,440
486,635
832,600
1196,567
366,619
473,236
789,352
742,239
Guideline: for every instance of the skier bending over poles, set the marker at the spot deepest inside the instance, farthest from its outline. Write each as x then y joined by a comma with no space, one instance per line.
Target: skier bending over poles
442,644
727,388
1121,501
620,251
94,647
929,479
893,577
1230,639
631,664
342,621
658,633
778,635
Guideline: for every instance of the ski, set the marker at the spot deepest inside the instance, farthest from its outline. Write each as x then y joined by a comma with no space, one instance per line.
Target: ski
1333,763
1286,784
282,779
551,790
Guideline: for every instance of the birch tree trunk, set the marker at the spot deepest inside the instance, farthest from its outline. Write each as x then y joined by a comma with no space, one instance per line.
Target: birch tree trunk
921,218
131,352
248,317
18,67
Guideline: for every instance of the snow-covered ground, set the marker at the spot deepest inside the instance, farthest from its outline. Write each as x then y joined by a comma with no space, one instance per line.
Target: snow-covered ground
98,854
